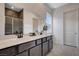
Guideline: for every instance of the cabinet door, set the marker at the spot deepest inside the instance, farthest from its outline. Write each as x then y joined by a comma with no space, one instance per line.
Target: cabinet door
8,51
45,48
25,53
44,39
50,44
38,41
35,51
26,46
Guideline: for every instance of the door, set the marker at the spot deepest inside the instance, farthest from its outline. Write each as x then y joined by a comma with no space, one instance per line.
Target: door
71,28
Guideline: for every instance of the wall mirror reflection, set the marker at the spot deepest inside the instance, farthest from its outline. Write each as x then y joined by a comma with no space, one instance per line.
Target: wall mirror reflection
13,19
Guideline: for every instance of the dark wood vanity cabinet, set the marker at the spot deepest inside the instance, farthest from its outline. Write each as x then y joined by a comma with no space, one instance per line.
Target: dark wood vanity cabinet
39,47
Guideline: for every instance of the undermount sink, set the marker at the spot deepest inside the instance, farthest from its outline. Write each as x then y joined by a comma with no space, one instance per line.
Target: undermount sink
32,34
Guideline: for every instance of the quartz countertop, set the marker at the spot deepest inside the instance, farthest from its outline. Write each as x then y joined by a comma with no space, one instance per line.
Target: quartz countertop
4,43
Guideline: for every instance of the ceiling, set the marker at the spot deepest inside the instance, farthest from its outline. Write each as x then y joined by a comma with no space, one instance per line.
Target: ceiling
51,5
56,5
11,6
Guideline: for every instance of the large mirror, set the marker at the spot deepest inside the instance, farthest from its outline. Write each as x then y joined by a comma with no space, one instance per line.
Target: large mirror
21,20
13,19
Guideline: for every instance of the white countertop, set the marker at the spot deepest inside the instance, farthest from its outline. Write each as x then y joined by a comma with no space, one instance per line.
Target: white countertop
4,43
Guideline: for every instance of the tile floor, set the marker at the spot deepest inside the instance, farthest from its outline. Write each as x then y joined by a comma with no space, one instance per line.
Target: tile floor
59,50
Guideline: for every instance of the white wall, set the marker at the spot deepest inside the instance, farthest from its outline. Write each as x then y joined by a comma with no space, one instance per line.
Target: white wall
2,19
58,25
58,21
37,8
28,22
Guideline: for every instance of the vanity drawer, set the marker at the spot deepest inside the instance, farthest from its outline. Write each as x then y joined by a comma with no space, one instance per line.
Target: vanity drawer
38,41
49,37
26,46
44,39
8,51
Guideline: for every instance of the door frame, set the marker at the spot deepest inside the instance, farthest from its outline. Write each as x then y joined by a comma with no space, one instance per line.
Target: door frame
77,42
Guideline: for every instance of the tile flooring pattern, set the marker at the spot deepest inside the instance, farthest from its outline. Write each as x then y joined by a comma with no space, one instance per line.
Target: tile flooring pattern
59,50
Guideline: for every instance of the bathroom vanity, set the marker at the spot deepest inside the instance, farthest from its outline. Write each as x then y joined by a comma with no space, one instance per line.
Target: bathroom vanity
39,45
